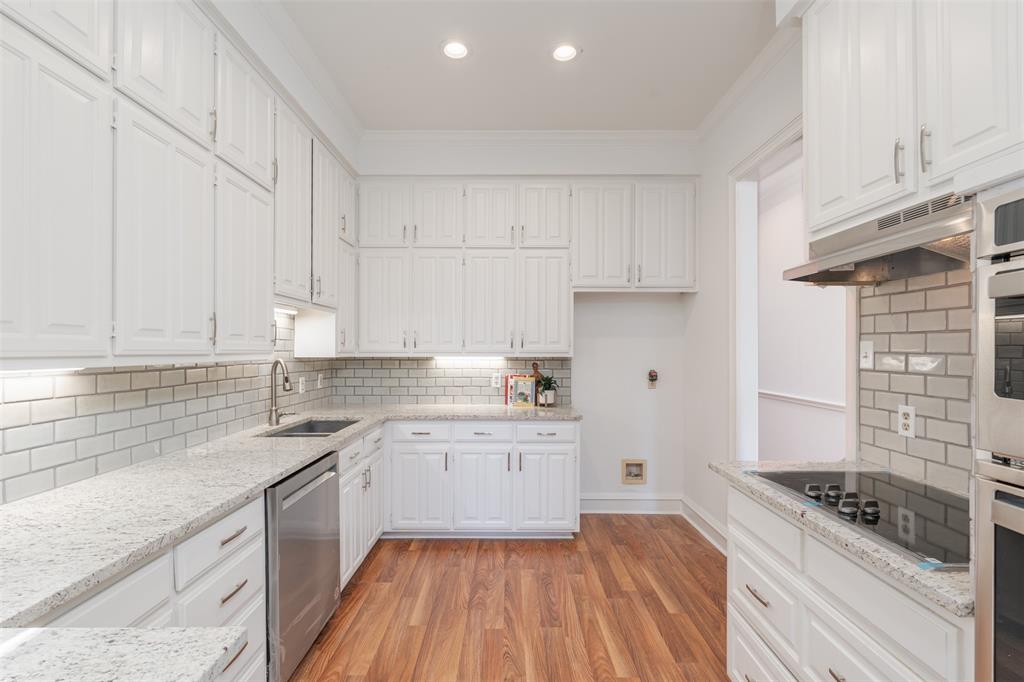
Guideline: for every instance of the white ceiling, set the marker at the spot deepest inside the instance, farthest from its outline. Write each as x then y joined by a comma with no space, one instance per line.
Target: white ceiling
645,65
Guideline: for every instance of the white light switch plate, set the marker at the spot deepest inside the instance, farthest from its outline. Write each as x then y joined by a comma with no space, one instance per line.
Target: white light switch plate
302,384
906,418
867,354
319,380
496,380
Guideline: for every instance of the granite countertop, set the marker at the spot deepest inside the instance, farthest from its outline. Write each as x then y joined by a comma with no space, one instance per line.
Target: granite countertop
952,590
106,654
58,545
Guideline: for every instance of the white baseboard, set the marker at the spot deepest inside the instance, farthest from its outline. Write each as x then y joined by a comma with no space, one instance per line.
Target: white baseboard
705,524
656,503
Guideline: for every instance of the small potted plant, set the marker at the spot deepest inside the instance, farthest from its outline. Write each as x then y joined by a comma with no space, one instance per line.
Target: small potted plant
548,386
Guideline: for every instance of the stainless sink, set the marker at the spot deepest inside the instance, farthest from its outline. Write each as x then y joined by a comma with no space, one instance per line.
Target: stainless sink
312,428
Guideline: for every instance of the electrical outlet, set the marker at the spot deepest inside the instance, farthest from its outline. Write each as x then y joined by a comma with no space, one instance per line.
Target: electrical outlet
496,380
867,354
319,380
905,521
906,421
302,385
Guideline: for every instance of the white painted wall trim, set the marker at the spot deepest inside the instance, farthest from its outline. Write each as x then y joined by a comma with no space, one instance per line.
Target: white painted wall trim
675,504
801,400
705,524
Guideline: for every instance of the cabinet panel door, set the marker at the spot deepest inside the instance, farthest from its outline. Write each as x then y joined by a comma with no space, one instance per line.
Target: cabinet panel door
164,241
327,188
383,295
292,199
244,264
666,235
546,487
490,301
482,487
972,80
420,492
244,126
347,297
79,28
351,509
490,214
165,59
384,213
348,208
375,499
826,111
602,236
544,214
544,302
436,300
437,214
56,213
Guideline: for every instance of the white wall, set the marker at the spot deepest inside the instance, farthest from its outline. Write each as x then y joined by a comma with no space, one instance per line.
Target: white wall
617,338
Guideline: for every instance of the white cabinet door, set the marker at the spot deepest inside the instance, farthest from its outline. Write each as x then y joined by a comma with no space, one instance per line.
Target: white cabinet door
79,28
972,80
666,217
437,214
347,297
436,312
544,214
244,120
292,206
244,264
384,213
352,508
482,487
491,214
347,209
827,111
56,212
165,60
374,503
602,235
383,299
490,301
164,242
545,301
420,489
545,487
327,188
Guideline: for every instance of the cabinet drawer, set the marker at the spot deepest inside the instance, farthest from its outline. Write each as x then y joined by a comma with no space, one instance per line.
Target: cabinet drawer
254,618
483,431
421,431
129,601
194,556
749,657
546,432
253,670
373,442
770,529
217,598
350,455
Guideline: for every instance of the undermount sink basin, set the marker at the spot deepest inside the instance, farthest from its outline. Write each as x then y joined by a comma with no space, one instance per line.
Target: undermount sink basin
313,427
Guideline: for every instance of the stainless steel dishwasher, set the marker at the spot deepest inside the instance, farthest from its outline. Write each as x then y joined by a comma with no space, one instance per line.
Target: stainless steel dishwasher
303,562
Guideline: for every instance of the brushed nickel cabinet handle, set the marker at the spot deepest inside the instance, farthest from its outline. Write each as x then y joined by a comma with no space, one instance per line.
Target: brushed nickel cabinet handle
415,233
238,588
836,676
747,678
377,440
511,340
422,433
235,657
508,461
629,274
897,170
483,433
520,460
920,147
547,433
403,233
446,460
764,602
639,272
234,535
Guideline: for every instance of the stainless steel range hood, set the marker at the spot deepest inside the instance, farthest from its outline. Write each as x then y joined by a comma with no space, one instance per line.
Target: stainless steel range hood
933,236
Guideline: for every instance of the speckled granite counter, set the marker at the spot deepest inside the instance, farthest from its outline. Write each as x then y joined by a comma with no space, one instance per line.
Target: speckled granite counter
58,545
953,591
116,654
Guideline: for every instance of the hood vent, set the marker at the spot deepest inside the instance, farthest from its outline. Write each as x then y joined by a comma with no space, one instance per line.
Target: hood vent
929,237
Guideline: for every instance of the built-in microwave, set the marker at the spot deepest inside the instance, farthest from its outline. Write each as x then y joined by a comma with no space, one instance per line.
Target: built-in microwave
1001,228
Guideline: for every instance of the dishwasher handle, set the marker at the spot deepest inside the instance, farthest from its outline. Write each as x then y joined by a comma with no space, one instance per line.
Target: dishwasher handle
308,488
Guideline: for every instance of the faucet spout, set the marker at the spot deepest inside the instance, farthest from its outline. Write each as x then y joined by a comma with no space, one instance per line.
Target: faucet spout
286,385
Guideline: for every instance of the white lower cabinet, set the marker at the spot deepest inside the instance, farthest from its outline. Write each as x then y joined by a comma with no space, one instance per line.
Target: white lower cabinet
749,658
351,509
546,487
420,487
361,505
482,486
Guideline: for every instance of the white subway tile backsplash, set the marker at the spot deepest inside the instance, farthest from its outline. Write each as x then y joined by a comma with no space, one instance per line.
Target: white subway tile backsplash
29,484
52,455
25,437
17,389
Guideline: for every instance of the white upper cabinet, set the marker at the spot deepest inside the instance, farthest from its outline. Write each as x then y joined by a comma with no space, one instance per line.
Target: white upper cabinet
292,199
327,189
347,209
482,487
436,313
164,240
345,319
79,28
244,264
383,300
544,214
489,302
666,217
56,214
972,81
491,214
437,214
384,213
602,234
165,60
545,302
244,121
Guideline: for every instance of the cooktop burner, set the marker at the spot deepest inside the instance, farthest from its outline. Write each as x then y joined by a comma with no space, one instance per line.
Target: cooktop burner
932,524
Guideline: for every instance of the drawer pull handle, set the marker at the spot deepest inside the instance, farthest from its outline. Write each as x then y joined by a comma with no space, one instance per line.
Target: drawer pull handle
836,676
482,433
377,440
421,433
758,597
549,433
236,657
234,536
747,677
238,588
355,453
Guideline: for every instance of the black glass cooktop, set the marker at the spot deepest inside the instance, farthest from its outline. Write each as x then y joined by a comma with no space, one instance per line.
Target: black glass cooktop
932,524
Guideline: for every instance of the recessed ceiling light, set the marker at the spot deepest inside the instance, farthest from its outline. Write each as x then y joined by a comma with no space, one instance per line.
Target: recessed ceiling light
564,53
455,49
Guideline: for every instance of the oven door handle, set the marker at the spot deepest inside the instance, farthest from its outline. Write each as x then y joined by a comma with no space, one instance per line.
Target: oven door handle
1008,516
1006,283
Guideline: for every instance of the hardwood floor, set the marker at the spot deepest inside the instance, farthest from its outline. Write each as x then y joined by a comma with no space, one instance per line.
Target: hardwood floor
630,597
